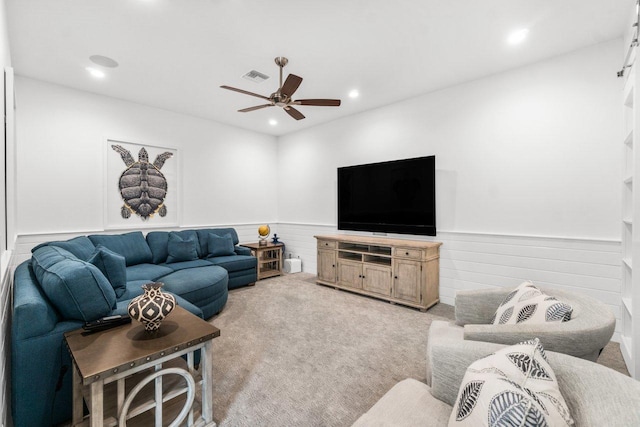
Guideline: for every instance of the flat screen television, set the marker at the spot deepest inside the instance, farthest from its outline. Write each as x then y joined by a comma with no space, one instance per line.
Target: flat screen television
391,197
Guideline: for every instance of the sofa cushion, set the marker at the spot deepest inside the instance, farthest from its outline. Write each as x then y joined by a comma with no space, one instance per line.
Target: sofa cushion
220,245
132,246
234,262
113,266
158,243
203,237
409,403
76,288
195,284
133,288
528,304
181,248
176,266
81,247
514,386
149,272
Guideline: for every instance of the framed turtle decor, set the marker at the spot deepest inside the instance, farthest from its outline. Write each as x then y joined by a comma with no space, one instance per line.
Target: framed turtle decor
142,187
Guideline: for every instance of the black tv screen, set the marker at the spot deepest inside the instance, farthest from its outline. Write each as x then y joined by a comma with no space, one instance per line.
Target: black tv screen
391,197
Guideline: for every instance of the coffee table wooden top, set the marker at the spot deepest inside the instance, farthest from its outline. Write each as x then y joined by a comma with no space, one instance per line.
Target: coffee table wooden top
102,354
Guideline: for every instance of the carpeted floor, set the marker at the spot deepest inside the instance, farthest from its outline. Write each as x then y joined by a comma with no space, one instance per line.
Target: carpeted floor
293,353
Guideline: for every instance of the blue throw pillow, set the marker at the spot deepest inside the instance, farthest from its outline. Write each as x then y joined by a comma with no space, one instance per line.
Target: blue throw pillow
220,245
181,249
113,266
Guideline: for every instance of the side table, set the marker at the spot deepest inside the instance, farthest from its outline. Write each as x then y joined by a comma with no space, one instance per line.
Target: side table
269,258
115,355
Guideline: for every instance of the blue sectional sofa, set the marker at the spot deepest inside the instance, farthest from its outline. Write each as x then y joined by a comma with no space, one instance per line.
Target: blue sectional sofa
68,283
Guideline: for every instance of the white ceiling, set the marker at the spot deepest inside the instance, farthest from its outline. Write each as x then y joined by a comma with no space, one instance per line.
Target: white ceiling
175,54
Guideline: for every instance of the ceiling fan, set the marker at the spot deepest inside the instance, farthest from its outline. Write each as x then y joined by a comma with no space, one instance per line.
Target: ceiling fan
282,97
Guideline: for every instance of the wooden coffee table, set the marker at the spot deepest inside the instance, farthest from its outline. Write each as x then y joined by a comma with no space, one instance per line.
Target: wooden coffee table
115,355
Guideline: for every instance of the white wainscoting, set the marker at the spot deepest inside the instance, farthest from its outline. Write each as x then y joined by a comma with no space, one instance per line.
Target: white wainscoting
6,280
25,242
475,261
467,260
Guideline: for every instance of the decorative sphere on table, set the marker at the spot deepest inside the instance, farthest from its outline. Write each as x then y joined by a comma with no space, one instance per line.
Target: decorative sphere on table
152,307
263,233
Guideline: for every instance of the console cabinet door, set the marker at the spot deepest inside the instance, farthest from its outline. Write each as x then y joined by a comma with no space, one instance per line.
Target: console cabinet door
350,274
327,265
377,279
407,277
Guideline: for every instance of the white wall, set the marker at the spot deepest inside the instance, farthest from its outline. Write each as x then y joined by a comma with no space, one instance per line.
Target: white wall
227,173
5,255
527,170
533,151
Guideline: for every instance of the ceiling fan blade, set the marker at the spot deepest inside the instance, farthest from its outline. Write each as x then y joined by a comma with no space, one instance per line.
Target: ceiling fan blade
318,102
245,92
257,107
294,113
290,85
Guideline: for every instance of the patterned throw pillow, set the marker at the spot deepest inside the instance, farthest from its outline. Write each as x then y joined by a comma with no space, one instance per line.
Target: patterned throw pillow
514,386
529,304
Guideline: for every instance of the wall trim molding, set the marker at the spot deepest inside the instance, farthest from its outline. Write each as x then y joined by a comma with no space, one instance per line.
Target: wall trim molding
470,260
455,232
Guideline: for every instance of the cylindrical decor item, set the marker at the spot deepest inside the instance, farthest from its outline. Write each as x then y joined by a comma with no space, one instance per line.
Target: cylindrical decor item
152,307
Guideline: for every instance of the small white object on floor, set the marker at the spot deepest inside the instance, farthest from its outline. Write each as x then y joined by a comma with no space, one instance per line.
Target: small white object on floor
292,265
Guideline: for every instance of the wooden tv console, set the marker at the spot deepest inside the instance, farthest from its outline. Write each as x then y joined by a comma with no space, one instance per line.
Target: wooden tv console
399,271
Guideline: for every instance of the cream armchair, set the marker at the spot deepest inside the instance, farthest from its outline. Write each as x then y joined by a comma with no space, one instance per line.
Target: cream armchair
595,395
585,335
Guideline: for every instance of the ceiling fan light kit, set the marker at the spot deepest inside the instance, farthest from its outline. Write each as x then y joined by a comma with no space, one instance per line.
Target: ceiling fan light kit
283,96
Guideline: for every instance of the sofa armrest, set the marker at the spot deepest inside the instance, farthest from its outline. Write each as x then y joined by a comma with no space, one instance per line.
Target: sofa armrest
449,359
241,250
478,306
562,337
32,314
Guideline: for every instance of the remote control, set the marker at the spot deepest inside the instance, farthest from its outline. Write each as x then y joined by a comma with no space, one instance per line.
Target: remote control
106,323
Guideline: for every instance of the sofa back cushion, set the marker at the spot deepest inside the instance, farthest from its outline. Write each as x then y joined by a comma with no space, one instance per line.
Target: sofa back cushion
182,249
81,247
132,246
76,288
113,266
220,245
203,237
159,243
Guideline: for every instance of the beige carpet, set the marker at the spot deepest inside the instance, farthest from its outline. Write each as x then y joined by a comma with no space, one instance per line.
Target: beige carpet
293,353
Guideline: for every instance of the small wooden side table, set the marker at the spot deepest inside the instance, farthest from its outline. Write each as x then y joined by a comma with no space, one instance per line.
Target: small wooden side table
116,354
269,258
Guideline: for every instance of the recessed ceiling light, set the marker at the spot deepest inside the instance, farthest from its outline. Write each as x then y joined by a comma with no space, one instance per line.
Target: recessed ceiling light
518,36
273,122
103,61
354,94
98,74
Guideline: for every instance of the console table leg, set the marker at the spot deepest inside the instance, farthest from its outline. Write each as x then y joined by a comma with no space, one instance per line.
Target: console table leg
96,410
207,384
77,398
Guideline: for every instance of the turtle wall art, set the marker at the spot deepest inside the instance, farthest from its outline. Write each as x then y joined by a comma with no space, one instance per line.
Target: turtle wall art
143,187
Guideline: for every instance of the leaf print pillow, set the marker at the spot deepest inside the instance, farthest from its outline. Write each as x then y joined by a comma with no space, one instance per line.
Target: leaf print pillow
528,304
514,386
